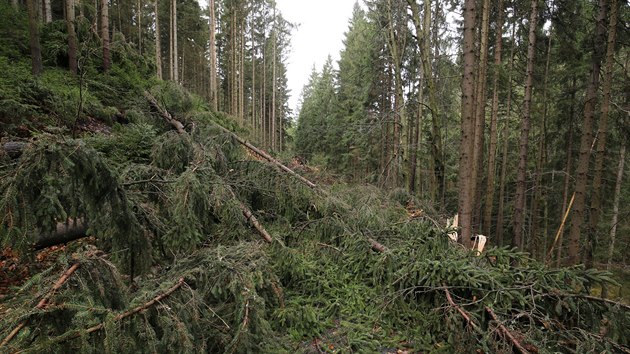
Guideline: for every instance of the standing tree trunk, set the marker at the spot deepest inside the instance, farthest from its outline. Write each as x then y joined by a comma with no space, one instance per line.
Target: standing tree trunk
214,99
174,38
586,141
107,62
535,245
596,202
480,109
158,46
423,34
492,149
139,20
615,216
467,126
506,140
72,36
33,28
48,11
519,206
274,43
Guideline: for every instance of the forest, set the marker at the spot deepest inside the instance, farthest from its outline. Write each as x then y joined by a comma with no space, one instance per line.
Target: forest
158,194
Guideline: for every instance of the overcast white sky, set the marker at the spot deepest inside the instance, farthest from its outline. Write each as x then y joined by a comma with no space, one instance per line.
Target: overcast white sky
320,31
322,24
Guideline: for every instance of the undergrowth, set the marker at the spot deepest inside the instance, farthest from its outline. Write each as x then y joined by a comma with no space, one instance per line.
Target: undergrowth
165,212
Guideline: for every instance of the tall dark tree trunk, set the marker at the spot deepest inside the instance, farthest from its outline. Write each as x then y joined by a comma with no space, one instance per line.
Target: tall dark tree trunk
107,62
72,36
467,127
602,134
480,110
158,44
521,182
535,245
567,176
492,149
586,141
33,28
214,98
506,141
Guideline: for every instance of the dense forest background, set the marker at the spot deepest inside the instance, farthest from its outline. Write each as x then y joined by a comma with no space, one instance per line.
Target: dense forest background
159,135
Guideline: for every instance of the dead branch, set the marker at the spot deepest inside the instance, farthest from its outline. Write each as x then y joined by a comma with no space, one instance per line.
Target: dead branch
165,114
507,334
119,317
257,225
42,303
461,311
268,157
140,308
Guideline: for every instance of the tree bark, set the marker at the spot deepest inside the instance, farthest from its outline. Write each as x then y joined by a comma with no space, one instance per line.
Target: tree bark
48,11
480,111
568,169
467,127
33,28
521,182
586,142
105,35
506,140
602,134
158,44
534,221
214,99
72,36
174,36
615,214
492,149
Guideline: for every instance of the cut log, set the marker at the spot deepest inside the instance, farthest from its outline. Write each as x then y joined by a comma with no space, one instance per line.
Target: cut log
64,233
14,148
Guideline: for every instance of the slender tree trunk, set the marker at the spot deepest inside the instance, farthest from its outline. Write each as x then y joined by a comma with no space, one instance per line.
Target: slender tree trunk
586,141
480,110
48,11
615,215
139,20
596,193
467,126
423,34
492,149
567,175
274,64
214,97
175,47
33,28
506,140
535,246
107,62
521,182
158,45
72,36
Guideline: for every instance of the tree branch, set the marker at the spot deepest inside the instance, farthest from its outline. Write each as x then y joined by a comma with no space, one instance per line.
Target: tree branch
507,334
42,303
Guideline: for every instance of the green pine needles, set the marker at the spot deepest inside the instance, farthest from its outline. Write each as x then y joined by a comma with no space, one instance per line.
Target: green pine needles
174,265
